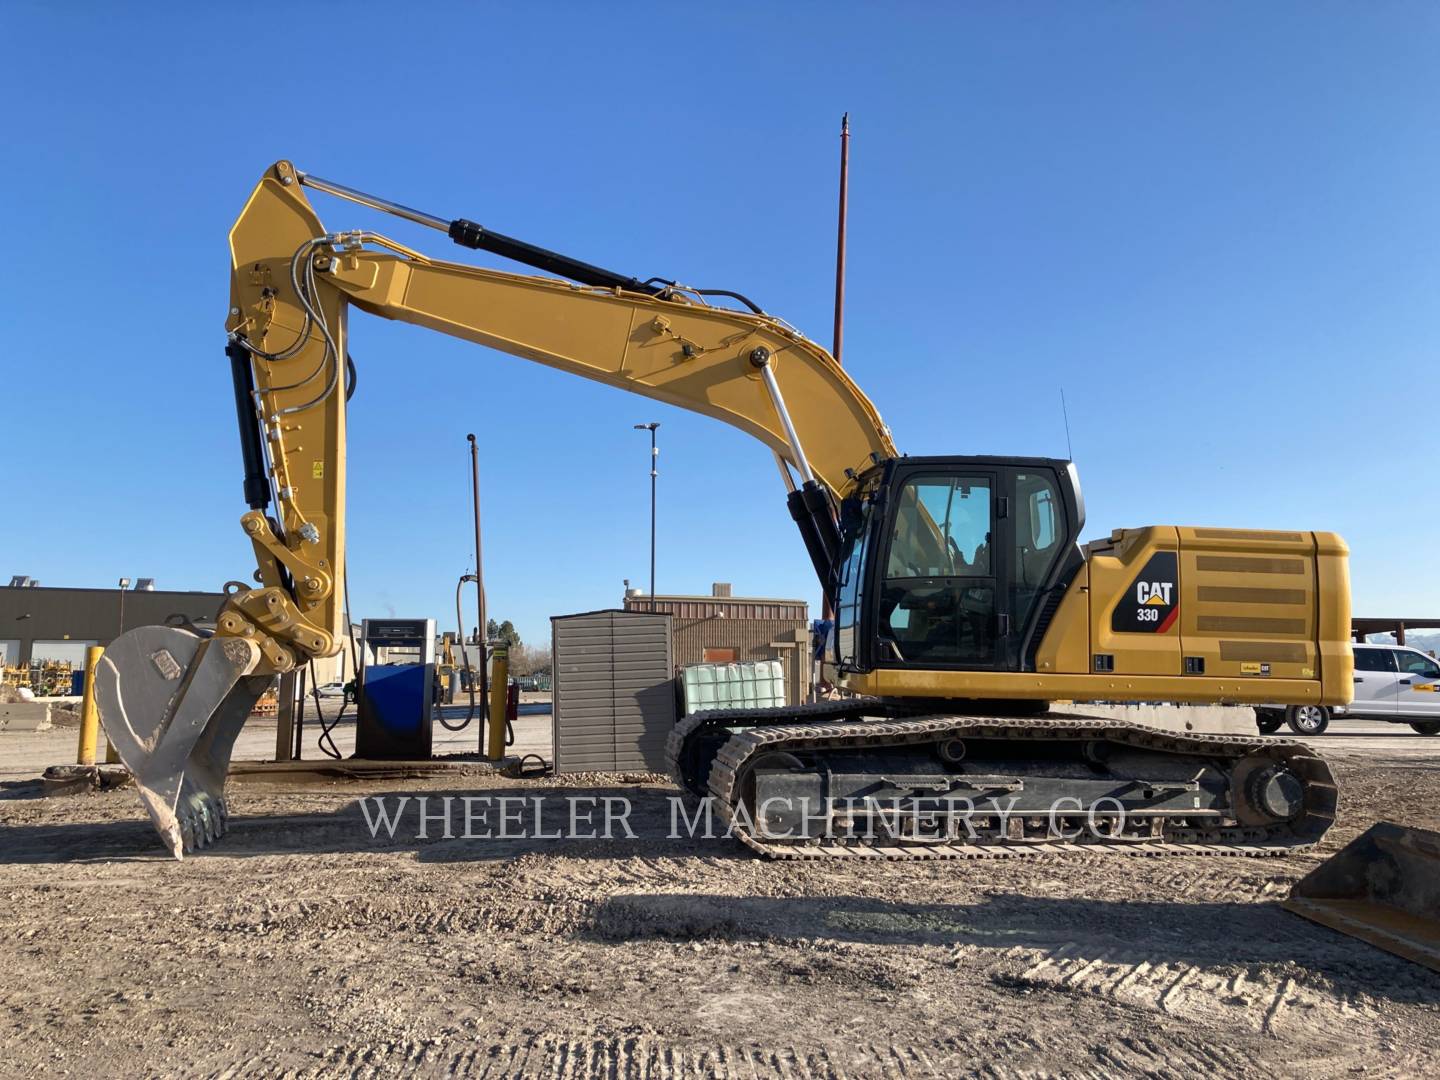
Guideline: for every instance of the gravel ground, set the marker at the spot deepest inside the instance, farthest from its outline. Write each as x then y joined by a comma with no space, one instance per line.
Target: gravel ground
302,946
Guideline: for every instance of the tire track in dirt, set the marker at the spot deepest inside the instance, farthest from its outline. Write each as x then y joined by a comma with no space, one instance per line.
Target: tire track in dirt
555,914
636,1056
1168,1055
996,1056
639,873
1264,997
1171,1057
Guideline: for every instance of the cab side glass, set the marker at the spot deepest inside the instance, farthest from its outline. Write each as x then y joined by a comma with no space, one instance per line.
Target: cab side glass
942,529
1374,660
1038,529
854,532
1413,663
1042,512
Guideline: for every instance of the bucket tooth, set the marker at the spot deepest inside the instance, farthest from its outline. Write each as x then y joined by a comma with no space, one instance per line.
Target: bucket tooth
1383,887
209,818
199,822
172,704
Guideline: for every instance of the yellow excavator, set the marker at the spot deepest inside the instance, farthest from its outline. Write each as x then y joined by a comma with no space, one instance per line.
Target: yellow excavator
965,602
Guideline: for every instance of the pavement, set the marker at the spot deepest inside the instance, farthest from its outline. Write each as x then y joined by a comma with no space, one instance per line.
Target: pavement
26,754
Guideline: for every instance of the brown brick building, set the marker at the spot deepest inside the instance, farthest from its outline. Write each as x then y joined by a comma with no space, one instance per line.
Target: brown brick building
721,628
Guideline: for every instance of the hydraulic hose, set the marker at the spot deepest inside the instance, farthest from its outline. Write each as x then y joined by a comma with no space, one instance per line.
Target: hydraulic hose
357,672
469,671
326,727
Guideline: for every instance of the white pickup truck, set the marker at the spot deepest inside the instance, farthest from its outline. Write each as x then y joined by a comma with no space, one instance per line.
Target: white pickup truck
1392,682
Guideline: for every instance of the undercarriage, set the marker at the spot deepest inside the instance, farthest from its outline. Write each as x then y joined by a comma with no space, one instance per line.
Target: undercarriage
874,779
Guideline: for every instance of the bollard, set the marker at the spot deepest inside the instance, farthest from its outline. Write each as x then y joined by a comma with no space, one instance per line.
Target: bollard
499,679
89,714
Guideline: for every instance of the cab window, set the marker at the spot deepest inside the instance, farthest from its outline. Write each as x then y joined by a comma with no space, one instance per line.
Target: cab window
937,603
1374,660
942,529
1414,663
1037,540
854,531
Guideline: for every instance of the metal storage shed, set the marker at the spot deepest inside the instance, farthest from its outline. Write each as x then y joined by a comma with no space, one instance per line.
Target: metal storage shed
614,691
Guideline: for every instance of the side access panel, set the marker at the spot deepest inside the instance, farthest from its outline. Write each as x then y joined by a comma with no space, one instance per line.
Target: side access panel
1135,602
1248,602
1065,648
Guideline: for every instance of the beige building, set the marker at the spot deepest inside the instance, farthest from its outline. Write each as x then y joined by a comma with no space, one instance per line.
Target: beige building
721,628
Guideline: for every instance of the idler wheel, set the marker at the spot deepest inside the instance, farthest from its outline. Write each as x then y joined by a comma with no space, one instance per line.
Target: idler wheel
1276,792
952,750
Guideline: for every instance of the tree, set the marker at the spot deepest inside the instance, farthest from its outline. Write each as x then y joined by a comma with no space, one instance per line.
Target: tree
530,660
502,633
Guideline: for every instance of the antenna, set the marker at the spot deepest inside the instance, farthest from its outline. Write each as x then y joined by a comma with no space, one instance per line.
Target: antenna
1069,452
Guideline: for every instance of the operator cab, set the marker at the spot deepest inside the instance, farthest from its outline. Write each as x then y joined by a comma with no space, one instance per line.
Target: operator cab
954,563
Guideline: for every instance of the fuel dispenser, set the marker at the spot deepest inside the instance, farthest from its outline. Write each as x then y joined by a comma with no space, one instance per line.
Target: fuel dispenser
397,690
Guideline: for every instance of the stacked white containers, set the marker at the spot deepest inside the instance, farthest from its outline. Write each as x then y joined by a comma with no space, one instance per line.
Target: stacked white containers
752,685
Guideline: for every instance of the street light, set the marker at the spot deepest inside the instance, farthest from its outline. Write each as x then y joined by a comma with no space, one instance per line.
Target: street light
124,584
654,472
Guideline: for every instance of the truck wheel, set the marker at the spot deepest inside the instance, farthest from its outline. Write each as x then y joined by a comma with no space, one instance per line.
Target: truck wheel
1307,719
1268,721
1427,727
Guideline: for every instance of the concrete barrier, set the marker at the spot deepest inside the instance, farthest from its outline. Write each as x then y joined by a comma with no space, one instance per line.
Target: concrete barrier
1202,719
25,716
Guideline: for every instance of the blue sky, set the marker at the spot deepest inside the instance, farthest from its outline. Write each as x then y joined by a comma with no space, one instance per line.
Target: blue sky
1215,225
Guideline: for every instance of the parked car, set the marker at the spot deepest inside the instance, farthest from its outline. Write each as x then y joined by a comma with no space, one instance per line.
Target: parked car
331,689
1392,683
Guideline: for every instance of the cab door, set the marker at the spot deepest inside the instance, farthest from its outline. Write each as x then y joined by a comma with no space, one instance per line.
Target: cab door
1376,679
939,605
1418,691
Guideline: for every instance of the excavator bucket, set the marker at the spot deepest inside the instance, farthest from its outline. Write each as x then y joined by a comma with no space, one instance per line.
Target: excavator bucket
172,704
1382,887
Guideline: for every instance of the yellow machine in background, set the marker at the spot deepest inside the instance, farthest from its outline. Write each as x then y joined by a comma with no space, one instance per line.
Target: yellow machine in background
965,601
446,670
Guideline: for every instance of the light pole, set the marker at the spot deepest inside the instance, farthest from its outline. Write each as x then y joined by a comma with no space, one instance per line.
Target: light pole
480,635
124,584
654,472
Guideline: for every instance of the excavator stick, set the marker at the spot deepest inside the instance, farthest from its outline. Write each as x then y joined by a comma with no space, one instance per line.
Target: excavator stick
172,704
1383,887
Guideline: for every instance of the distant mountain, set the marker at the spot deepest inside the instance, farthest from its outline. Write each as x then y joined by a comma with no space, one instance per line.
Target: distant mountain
1424,642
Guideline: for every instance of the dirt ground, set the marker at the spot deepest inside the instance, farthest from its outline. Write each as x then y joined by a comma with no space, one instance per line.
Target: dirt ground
301,946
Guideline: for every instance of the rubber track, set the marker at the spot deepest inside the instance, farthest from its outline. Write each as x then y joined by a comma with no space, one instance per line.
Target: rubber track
828,734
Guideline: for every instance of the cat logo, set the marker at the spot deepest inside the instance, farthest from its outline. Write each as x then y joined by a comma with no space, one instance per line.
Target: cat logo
1152,606
1154,593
